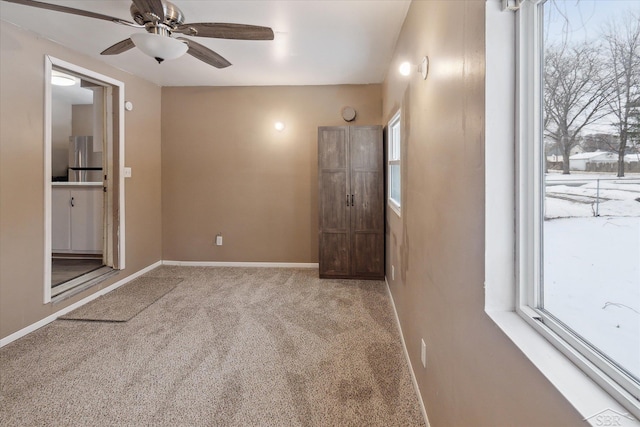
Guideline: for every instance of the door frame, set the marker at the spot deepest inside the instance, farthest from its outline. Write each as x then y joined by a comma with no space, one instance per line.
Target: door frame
115,183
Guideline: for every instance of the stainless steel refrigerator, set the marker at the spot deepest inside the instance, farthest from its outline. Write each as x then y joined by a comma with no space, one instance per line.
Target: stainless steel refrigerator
85,163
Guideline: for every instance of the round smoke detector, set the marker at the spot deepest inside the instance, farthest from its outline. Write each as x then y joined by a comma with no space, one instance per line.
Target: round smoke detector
348,114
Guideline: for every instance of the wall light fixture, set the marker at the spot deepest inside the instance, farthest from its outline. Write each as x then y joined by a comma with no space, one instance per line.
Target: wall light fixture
405,68
423,68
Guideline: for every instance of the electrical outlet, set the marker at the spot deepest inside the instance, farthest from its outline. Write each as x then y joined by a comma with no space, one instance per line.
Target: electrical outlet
219,240
393,273
423,354
127,172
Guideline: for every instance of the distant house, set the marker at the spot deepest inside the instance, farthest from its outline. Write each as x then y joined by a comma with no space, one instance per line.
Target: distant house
629,158
578,162
554,151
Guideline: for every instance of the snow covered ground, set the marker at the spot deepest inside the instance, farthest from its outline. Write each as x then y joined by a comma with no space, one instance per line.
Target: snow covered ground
592,263
585,195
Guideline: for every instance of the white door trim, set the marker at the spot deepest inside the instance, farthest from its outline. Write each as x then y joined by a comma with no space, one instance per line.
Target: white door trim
49,63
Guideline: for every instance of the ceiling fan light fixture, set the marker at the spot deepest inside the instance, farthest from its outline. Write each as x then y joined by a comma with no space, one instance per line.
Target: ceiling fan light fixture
158,46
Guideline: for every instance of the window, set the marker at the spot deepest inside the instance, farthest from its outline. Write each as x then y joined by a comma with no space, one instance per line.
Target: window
395,196
578,189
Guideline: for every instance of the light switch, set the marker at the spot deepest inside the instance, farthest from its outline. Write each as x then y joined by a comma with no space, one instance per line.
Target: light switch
127,172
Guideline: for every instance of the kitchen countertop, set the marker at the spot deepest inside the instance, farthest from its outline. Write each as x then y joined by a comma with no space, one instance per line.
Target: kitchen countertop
76,184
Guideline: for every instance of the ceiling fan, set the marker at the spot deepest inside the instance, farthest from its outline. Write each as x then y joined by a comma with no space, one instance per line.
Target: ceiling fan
161,19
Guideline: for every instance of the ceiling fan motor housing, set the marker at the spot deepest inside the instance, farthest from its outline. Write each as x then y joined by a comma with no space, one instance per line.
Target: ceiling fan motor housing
173,16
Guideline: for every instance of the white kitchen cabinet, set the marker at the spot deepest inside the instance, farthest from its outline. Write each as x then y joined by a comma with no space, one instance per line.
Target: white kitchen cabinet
76,219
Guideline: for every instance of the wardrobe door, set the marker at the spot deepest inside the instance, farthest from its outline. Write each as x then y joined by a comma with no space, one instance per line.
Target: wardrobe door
333,202
367,210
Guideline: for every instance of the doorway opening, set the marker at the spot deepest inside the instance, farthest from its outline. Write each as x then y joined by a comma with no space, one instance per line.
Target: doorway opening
84,188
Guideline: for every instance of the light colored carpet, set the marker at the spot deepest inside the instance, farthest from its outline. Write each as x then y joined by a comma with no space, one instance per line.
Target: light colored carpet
124,303
227,347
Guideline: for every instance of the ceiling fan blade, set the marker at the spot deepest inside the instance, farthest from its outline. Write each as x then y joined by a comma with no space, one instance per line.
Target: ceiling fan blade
119,47
73,11
226,31
150,6
205,54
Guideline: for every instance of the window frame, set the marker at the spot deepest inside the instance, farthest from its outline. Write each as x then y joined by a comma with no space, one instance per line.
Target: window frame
394,158
529,184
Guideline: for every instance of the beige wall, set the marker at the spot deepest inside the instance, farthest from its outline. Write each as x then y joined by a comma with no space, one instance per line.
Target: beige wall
474,376
82,119
21,175
226,169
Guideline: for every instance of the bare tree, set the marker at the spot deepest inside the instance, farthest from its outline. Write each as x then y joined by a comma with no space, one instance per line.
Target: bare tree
634,127
600,142
623,43
575,94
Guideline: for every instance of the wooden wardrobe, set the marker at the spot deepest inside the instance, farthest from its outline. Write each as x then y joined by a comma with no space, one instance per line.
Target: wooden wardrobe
351,202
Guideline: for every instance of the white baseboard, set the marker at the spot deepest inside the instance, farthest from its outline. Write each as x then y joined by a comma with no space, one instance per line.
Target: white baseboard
406,354
24,331
240,264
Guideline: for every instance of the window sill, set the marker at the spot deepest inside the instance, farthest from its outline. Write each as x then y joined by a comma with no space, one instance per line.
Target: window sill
395,208
585,395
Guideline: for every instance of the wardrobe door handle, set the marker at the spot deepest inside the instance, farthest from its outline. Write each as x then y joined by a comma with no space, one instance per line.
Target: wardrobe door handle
352,200
72,202
347,200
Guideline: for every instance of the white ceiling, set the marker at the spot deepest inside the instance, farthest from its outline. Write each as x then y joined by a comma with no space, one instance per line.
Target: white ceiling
317,42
